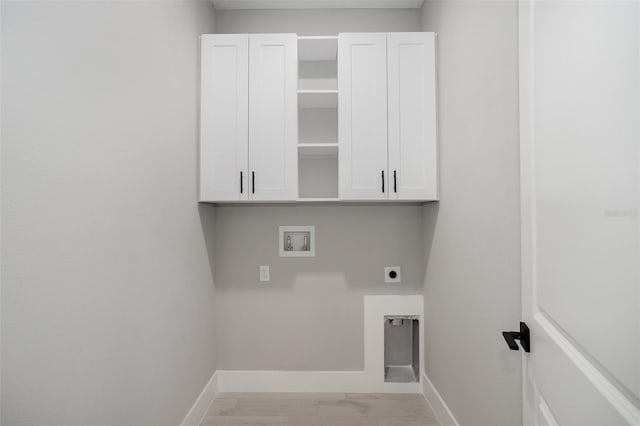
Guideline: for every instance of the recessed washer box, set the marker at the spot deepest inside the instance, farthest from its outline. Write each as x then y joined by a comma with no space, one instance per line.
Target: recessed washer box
297,241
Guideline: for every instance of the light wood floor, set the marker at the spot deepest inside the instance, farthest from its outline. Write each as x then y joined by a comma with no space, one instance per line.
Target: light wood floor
319,409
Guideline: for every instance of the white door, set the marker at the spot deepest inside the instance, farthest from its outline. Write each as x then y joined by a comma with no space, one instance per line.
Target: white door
273,117
224,113
413,155
362,116
580,169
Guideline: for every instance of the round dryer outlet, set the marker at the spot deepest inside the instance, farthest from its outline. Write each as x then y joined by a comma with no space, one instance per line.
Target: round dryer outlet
392,274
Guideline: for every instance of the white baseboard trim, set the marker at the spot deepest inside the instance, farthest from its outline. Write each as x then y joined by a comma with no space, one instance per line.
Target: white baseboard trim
308,381
199,409
439,407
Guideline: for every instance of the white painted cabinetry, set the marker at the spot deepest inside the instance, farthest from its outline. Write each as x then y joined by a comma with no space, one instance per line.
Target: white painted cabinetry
248,118
285,118
387,116
224,117
362,116
411,88
273,117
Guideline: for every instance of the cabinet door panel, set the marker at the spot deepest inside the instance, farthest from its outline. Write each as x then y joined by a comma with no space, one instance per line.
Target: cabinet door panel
224,117
412,116
362,111
273,116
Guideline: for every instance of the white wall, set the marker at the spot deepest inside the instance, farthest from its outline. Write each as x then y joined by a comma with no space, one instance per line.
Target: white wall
472,280
107,304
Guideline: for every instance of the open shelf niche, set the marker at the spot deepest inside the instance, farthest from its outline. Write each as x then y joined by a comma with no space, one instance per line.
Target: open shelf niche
318,118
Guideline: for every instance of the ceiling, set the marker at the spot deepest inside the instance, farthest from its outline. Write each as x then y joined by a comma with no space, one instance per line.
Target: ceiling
316,4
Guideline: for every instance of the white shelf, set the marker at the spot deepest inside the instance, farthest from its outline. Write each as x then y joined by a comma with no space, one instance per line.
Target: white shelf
318,148
317,48
317,98
318,84
318,119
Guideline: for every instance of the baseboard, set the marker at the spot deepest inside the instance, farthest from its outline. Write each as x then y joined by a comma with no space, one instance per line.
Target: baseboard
199,409
439,407
308,381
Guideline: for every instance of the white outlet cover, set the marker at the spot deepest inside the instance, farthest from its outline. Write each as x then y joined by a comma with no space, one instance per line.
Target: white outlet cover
264,273
388,270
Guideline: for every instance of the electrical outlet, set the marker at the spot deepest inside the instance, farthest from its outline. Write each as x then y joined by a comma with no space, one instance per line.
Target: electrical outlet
392,274
264,273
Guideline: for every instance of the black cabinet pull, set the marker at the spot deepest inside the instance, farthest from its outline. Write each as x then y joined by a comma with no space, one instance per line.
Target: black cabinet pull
383,181
253,182
394,182
241,183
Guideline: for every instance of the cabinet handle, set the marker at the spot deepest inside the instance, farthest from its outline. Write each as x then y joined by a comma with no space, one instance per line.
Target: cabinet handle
241,186
383,181
394,182
253,182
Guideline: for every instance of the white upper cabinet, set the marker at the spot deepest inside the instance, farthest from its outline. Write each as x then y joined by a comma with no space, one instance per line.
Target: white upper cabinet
362,116
248,118
273,117
286,118
413,155
224,113
387,116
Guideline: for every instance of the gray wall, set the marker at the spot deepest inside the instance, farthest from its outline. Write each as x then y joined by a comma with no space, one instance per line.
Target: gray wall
317,21
472,281
310,316
108,305
107,298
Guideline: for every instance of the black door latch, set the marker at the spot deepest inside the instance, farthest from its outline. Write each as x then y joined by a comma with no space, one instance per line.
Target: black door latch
522,335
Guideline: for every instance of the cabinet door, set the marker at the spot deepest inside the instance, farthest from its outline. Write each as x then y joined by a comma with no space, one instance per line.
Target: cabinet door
362,116
413,156
273,116
224,113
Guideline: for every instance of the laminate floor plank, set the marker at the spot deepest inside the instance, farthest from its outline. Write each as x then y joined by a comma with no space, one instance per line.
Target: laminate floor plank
319,409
